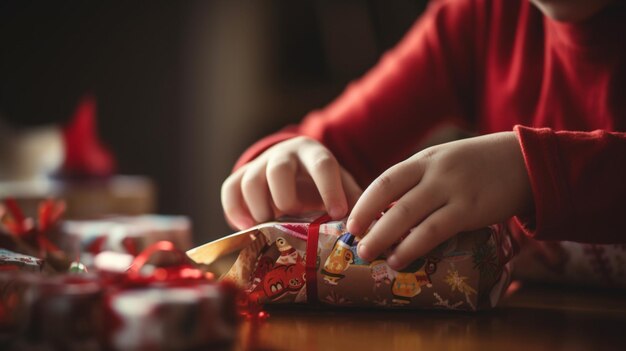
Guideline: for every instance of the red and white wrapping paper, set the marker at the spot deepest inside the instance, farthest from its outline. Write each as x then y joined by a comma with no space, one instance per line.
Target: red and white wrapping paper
128,235
571,263
173,318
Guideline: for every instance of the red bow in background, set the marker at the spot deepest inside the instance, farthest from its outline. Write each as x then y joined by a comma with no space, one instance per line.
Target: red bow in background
30,237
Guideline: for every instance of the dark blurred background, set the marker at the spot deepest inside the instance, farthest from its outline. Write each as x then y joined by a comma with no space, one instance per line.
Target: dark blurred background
183,87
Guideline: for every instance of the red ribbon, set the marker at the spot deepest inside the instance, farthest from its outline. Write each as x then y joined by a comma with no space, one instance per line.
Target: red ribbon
181,273
311,257
49,213
17,224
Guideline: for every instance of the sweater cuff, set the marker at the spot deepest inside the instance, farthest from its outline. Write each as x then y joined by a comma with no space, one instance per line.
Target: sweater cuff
552,207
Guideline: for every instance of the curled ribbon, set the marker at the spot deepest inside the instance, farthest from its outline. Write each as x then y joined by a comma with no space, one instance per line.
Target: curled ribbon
181,272
22,228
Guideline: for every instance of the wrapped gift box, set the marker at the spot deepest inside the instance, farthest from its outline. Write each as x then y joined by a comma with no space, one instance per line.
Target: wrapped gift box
86,198
63,312
469,271
571,263
128,234
174,306
175,318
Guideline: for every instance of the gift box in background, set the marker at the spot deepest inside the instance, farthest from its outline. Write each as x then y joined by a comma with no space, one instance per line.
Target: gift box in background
174,318
86,198
468,272
157,304
571,263
128,235
59,241
62,312
13,287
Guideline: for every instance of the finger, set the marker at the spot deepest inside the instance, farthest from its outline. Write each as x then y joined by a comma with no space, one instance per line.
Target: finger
325,172
435,229
235,209
352,189
256,192
391,185
412,208
281,179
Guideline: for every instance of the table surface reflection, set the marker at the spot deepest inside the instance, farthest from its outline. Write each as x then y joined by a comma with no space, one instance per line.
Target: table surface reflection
531,318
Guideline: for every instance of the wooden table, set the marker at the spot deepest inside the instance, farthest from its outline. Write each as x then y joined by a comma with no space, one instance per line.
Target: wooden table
531,318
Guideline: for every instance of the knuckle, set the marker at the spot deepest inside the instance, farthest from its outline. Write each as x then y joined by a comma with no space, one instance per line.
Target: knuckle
323,162
383,183
431,229
403,210
279,166
428,153
301,141
285,202
249,182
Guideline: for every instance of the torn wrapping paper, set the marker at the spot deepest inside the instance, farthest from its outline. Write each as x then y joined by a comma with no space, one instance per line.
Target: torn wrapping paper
316,261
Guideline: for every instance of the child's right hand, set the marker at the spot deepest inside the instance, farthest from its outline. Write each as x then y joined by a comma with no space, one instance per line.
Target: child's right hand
292,177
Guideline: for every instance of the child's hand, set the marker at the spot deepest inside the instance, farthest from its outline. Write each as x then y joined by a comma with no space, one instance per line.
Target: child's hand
292,177
443,190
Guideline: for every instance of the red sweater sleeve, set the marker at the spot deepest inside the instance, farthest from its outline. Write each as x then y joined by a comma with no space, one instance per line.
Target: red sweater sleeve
579,184
380,119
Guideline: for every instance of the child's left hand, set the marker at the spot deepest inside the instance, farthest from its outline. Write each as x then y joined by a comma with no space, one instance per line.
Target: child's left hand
440,191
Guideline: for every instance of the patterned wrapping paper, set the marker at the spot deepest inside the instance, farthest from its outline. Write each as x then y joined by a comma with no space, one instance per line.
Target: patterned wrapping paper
468,272
13,286
571,263
63,312
174,318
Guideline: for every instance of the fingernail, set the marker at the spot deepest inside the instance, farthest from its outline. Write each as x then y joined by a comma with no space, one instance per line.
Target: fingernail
362,251
353,226
394,262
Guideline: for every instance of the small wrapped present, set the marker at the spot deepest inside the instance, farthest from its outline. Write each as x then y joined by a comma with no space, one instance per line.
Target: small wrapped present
162,302
176,229
297,262
571,263
129,235
64,313
183,317
13,286
176,307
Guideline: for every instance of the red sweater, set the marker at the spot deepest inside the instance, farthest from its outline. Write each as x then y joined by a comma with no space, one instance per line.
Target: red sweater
496,66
